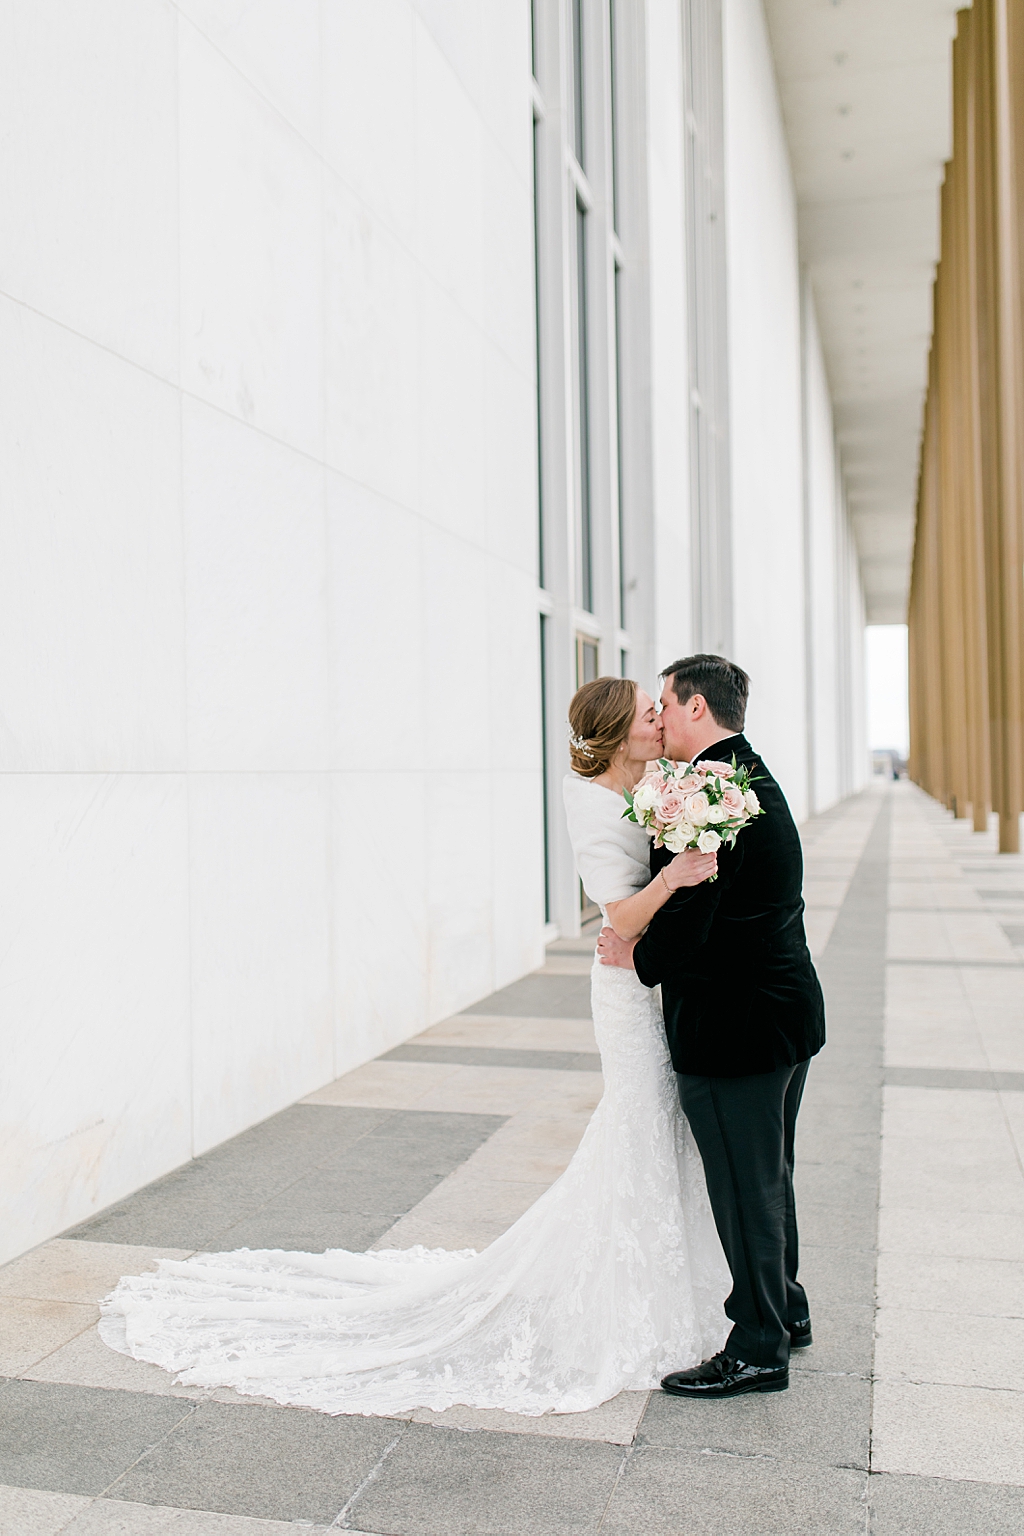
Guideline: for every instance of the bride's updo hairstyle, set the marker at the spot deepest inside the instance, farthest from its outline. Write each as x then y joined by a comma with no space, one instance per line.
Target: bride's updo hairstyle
601,717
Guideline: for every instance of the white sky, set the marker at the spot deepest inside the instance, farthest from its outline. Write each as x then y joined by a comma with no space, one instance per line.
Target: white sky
886,657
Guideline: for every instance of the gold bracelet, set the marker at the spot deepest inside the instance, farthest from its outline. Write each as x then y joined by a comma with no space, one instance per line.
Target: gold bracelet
669,888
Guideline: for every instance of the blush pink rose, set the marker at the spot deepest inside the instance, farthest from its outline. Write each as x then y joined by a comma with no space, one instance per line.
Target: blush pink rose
670,808
720,770
732,799
691,782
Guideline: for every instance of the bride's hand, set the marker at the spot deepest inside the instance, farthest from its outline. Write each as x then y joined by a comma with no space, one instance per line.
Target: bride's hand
690,868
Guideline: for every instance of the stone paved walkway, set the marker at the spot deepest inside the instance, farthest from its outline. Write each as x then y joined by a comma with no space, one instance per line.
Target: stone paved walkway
907,1415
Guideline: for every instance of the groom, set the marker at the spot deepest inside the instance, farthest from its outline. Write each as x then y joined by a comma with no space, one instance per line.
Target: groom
744,1014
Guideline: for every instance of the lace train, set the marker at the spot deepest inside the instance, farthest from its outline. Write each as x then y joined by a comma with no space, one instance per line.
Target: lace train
614,1276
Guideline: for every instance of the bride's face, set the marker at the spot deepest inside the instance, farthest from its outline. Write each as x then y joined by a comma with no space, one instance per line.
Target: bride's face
646,738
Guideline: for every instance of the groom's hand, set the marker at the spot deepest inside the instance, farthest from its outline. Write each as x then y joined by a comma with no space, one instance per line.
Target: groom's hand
615,951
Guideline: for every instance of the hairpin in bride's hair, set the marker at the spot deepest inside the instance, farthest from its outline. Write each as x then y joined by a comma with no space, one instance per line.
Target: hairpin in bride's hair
578,743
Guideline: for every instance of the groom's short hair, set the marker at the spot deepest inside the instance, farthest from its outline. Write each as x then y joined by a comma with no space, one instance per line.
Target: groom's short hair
724,685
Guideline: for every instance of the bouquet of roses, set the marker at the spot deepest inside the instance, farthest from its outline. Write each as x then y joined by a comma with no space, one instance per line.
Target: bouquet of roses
693,805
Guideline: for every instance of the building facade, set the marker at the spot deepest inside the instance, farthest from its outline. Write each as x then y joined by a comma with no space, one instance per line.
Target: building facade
373,375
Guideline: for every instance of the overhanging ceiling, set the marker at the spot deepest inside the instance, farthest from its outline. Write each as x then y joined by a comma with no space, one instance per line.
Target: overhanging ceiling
866,97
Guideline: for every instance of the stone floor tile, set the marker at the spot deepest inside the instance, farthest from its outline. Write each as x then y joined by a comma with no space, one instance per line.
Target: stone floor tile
934,1506
932,894
820,893
843,1340
526,1034
942,1113
87,1362
76,1439
844,1276
927,1043
493,1485
32,1512
819,923
963,1350
980,1287
30,1330
504,1090
856,1150
820,1118
834,1184
546,1060
540,997
1003,1040
308,1232
521,1165
266,1196
952,1189
823,1224
566,965
948,1432
614,1422
116,1517
671,1492
269,1463
543,1130
461,1200
384,1084
464,1232
821,1419
986,1160
950,1234
825,866
67,1270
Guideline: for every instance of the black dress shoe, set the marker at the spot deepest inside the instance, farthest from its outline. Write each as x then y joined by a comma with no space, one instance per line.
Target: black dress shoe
800,1334
722,1376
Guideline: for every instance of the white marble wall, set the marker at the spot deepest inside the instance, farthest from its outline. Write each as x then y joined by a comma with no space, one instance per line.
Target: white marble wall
269,712
269,680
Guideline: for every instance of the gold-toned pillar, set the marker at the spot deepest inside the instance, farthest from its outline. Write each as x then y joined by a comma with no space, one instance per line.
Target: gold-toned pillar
966,611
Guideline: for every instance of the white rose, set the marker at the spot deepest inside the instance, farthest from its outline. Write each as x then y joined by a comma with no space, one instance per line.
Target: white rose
709,842
752,803
679,837
697,808
717,813
644,797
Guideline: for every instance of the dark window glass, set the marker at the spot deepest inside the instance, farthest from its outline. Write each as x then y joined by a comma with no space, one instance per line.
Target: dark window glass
586,660
613,113
583,396
576,13
537,389
618,444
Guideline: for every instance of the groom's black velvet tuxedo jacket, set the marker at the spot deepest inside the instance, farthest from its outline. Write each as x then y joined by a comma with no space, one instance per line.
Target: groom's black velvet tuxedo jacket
738,988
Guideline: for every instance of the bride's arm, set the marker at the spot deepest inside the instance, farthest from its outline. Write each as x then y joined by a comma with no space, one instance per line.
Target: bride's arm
631,916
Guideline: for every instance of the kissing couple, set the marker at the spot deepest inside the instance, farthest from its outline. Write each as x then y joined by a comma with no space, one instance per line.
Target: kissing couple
667,1250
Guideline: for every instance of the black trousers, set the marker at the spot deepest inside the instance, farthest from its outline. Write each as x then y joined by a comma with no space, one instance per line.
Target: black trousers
744,1127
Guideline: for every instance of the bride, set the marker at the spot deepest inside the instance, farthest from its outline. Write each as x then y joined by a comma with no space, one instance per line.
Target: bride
614,1276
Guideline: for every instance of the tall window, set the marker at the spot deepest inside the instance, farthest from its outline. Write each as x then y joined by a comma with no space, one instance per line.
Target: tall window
588,129
709,460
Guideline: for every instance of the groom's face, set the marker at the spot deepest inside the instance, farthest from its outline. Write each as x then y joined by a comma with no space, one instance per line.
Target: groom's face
679,722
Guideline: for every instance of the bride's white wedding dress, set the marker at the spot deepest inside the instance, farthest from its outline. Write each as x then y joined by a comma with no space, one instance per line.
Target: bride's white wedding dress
613,1277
